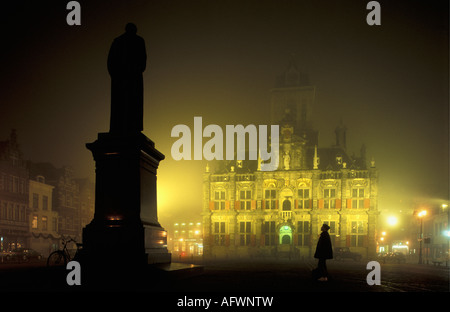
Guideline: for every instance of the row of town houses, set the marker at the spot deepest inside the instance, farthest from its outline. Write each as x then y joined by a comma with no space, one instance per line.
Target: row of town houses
40,205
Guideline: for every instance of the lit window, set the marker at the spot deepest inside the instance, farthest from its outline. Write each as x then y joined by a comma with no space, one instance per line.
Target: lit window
34,222
358,198
219,233
270,197
269,231
304,235
245,230
219,200
358,234
303,199
329,196
44,223
245,197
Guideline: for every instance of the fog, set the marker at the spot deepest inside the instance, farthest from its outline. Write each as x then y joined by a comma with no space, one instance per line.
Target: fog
219,60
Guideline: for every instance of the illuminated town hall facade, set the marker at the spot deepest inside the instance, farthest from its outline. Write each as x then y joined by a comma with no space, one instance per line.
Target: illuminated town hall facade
252,213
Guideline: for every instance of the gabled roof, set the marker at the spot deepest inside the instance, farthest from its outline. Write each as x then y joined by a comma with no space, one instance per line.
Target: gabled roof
333,158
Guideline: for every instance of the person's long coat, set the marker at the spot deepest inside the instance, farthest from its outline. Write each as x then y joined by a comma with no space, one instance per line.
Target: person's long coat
324,249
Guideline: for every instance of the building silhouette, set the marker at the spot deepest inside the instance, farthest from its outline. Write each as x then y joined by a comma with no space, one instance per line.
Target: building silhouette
14,195
252,213
73,198
39,203
186,240
43,219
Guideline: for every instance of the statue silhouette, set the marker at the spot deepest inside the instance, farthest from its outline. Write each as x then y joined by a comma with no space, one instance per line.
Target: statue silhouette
126,62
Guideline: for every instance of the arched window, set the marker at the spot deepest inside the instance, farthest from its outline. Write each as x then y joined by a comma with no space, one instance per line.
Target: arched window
286,205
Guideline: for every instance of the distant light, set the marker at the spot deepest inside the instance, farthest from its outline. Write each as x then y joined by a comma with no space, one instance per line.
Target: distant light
383,233
382,239
447,233
392,221
399,247
422,213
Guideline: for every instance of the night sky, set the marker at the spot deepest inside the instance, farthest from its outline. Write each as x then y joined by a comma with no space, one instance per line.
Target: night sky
219,60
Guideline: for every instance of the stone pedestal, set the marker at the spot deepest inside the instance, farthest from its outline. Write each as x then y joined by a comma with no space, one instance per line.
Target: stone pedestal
125,228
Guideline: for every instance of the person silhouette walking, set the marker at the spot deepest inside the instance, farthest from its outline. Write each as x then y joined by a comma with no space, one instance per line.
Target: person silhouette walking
323,252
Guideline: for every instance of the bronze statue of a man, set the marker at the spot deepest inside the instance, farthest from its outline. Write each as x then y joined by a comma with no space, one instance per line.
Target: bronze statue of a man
126,62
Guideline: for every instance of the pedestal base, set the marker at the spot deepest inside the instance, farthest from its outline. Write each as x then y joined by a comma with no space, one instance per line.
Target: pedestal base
156,244
125,228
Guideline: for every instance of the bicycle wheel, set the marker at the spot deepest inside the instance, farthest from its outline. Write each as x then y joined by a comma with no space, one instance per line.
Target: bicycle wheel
56,258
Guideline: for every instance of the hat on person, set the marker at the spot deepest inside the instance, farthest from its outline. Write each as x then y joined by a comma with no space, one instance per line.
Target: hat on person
326,226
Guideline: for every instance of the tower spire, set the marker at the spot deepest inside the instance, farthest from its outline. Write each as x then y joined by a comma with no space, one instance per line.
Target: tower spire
341,135
316,159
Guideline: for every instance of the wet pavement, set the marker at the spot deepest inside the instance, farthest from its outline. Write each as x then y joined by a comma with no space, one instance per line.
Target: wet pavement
234,276
226,285
291,276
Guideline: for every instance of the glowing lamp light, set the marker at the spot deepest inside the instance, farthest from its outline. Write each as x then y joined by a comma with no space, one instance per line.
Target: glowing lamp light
421,214
392,221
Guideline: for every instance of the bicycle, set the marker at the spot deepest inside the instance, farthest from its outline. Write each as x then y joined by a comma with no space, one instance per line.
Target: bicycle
62,256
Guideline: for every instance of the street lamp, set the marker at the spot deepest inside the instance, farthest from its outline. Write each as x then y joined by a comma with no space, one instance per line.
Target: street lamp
421,214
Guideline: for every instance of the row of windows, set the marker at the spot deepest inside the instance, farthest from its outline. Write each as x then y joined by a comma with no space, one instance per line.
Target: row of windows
303,194
271,239
272,204
43,223
13,184
12,212
269,227
301,204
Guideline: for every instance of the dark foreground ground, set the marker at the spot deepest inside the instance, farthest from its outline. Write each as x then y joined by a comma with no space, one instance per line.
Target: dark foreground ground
286,281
